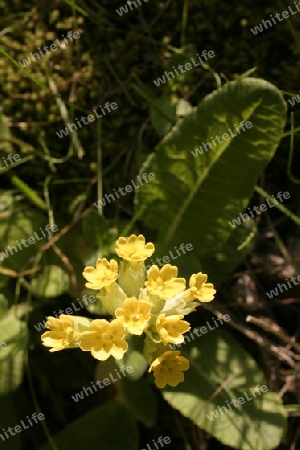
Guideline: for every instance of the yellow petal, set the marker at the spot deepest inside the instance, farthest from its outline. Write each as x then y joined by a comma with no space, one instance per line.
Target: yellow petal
134,315
105,273
134,249
163,283
168,369
61,333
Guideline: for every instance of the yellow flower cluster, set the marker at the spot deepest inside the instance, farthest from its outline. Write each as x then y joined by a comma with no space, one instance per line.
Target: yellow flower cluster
154,304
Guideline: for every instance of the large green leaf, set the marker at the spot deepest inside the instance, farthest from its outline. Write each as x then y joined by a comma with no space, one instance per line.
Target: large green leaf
222,371
107,427
224,261
194,198
14,334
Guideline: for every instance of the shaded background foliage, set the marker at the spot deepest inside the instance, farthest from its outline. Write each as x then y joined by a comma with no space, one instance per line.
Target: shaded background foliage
106,64
83,73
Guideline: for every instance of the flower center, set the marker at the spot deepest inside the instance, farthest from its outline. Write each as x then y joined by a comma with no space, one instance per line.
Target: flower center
109,337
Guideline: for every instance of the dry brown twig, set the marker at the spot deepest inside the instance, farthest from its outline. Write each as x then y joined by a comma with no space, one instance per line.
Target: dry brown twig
68,265
275,329
280,352
14,274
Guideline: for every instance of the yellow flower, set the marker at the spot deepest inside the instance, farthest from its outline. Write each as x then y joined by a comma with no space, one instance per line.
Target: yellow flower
105,339
200,289
106,273
134,315
62,333
134,249
163,282
168,369
170,328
